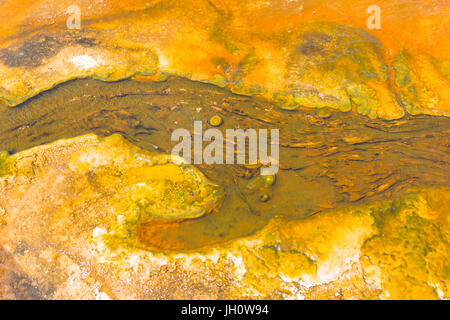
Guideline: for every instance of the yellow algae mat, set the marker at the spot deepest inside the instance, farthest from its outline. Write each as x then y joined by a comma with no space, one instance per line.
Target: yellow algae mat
224,149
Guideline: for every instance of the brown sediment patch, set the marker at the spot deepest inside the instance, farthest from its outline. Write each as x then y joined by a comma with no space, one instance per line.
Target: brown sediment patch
14,283
33,51
314,43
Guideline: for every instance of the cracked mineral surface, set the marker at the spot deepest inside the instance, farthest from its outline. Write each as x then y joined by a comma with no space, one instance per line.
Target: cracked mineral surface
93,205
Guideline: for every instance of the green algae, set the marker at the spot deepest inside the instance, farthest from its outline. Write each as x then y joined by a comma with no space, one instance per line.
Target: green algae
261,181
364,99
411,248
244,68
333,66
5,164
323,113
402,71
219,80
442,66
153,182
400,246
414,93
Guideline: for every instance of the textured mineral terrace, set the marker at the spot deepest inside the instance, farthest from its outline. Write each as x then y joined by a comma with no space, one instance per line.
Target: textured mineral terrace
71,213
92,205
300,61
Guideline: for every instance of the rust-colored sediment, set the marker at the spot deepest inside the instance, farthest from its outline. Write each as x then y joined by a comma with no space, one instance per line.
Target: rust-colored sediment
358,210
239,46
